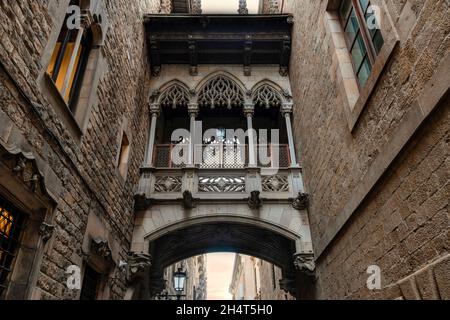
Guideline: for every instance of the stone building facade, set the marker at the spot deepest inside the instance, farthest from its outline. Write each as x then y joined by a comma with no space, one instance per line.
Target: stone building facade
196,286
80,197
376,158
80,217
256,279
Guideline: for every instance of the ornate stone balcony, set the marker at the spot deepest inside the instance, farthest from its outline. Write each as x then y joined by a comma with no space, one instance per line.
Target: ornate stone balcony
223,173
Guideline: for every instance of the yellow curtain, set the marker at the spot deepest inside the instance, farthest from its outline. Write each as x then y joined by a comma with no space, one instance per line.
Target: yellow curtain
6,221
64,67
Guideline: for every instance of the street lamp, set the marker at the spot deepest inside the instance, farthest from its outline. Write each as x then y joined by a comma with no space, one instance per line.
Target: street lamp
179,282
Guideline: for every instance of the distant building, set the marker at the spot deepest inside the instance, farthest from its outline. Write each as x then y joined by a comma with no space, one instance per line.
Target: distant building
196,281
256,279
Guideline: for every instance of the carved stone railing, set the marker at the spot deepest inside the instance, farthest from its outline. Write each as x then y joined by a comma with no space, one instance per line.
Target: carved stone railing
171,184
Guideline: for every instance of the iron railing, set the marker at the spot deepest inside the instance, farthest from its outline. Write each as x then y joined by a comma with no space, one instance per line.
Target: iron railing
221,156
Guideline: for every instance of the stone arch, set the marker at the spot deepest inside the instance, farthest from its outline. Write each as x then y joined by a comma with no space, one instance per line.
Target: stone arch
174,94
220,236
221,89
267,93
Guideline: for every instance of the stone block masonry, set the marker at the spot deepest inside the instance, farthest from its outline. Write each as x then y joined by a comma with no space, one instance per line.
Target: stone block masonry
86,170
401,220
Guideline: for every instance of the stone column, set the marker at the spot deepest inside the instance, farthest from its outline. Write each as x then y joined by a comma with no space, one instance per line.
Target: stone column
287,111
193,113
154,112
249,111
86,21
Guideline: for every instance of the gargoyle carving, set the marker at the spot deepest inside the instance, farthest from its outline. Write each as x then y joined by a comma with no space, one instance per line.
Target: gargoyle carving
304,263
139,265
301,202
46,231
255,202
188,200
100,248
141,202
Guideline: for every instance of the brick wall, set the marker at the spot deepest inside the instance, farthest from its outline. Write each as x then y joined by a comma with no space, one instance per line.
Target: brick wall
87,170
403,223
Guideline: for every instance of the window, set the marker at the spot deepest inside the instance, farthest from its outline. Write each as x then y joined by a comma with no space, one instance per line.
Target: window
11,226
124,156
363,38
91,283
69,60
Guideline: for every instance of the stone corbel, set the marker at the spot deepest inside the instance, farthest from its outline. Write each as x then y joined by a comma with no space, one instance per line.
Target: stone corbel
46,231
139,265
100,248
188,200
301,202
141,202
255,202
304,264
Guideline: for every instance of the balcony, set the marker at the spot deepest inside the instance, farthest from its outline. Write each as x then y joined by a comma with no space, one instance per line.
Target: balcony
223,172
221,156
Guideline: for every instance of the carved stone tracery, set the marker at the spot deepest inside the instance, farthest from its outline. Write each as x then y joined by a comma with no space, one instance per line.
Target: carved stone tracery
266,96
175,97
221,92
168,184
222,184
277,183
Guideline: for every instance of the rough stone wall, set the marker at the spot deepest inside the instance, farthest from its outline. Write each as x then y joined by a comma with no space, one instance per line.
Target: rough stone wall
270,276
403,225
88,170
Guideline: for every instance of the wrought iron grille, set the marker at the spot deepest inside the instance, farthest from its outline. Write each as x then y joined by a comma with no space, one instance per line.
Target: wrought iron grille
163,156
270,151
12,222
223,156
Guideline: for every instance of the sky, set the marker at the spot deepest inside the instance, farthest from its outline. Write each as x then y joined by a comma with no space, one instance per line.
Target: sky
228,6
219,273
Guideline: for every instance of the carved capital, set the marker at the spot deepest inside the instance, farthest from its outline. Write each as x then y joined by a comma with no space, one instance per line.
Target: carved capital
301,202
193,109
155,109
249,109
46,231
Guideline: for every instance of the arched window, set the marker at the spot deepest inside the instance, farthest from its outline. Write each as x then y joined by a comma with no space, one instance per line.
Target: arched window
174,97
221,92
266,96
70,56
